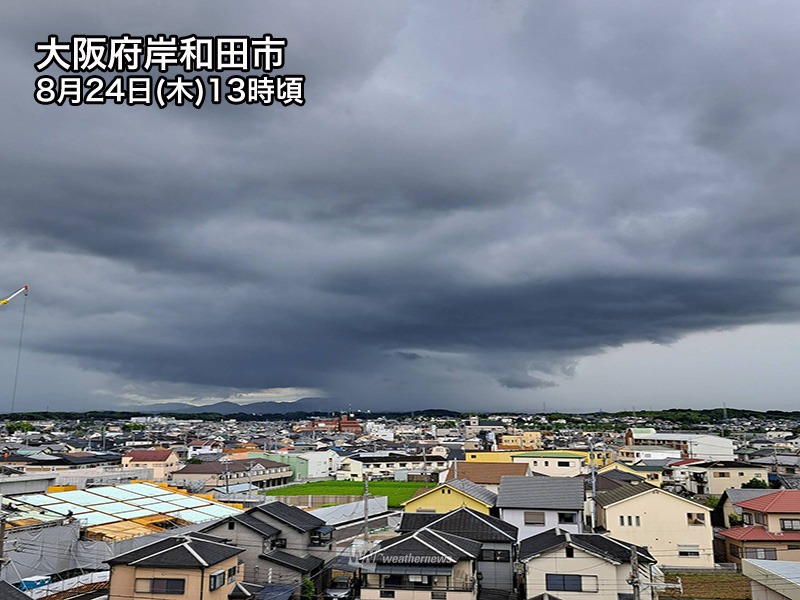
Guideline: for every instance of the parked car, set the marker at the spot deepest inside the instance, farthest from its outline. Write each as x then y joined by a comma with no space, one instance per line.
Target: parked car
341,588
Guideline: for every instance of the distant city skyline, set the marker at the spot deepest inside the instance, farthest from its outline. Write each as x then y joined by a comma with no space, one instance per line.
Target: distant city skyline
481,206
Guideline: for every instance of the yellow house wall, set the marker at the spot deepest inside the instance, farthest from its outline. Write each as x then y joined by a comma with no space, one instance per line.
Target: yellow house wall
440,501
504,457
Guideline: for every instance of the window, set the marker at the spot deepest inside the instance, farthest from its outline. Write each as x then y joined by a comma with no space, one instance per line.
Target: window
278,543
160,586
747,518
630,521
387,594
721,474
790,524
563,463
621,521
735,550
570,552
760,518
688,550
231,574
638,521
567,518
570,583
438,595
489,555
216,580
696,518
761,553
231,525
320,538
793,547
534,518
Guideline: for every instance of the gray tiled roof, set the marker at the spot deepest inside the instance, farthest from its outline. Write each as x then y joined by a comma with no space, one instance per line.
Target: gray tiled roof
541,492
414,521
473,489
447,547
594,543
463,522
264,529
9,592
740,495
623,492
291,515
304,564
186,551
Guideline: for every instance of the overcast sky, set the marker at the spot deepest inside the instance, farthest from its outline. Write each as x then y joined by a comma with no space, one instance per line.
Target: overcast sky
481,205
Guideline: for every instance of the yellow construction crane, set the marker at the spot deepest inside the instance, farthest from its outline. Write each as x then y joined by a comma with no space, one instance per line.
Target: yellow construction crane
22,290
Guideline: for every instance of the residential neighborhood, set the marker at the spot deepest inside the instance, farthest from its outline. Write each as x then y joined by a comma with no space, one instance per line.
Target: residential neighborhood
424,507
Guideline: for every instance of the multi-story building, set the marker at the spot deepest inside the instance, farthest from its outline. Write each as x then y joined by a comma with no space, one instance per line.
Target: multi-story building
770,530
562,565
190,567
675,530
536,504
714,477
691,445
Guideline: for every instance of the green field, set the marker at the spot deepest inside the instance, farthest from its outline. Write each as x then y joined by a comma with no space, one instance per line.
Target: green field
396,491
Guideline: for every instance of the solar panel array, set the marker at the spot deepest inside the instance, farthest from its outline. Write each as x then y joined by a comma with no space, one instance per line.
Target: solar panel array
112,504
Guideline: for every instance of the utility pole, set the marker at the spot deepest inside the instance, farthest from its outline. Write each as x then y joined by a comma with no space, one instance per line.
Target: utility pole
366,511
594,482
633,578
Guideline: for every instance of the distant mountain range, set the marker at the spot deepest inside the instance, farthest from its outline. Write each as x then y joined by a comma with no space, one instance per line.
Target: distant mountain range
259,408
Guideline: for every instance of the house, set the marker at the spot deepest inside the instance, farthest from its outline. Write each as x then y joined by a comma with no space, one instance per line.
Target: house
525,440
566,565
486,475
384,465
553,463
536,504
450,496
281,543
675,529
652,474
203,447
714,477
772,579
189,566
636,452
162,461
779,464
770,530
691,445
422,564
259,472
498,541
727,513
476,425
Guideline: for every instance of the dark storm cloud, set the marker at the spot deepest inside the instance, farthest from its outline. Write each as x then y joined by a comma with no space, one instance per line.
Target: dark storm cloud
474,196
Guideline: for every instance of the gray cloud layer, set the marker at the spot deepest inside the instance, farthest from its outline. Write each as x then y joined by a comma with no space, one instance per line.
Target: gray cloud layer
475,196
